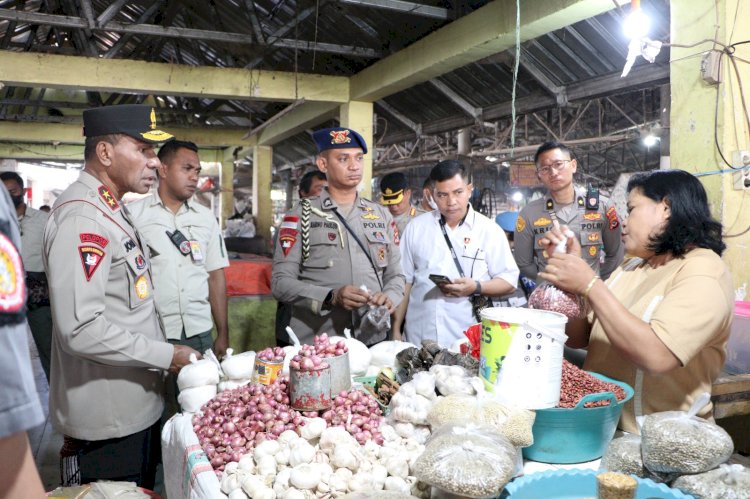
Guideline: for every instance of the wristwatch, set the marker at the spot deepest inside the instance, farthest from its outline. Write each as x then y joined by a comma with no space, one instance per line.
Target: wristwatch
477,291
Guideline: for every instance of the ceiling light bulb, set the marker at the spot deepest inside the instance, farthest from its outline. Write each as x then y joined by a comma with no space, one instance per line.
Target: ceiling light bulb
517,196
650,140
636,25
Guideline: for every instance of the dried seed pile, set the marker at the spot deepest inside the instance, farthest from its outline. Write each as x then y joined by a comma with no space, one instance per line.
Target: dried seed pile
725,482
577,383
673,442
472,463
623,455
611,485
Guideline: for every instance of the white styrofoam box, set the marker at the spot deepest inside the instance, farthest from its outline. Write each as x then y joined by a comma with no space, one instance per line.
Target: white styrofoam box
738,347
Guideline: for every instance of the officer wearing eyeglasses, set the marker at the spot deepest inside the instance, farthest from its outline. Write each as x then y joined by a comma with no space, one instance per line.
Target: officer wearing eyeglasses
592,217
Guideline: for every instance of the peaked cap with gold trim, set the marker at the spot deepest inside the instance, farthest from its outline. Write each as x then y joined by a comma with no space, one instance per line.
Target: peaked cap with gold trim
135,120
393,186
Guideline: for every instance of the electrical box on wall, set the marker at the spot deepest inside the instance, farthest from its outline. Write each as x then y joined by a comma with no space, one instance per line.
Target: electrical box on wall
741,178
711,67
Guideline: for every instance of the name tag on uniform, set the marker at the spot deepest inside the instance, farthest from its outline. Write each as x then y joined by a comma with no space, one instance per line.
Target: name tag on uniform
195,251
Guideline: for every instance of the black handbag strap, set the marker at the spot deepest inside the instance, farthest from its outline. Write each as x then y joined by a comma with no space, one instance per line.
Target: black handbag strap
362,246
450,247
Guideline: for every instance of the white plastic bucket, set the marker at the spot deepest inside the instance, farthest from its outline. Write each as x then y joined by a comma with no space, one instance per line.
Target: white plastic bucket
521,355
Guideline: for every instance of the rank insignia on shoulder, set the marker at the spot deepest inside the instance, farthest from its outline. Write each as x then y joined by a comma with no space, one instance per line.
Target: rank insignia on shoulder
396,236
108,198
87,237
370,216
91,257
12,285
141,287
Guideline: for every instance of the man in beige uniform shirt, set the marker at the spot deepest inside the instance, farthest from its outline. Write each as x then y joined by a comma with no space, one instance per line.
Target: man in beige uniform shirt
109,353
396,196
330,245
188,256
31,223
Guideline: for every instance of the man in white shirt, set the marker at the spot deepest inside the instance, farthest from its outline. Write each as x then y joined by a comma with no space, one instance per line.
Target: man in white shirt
443,311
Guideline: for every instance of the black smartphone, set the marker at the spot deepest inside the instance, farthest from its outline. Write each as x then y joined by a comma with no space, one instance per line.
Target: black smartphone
440,279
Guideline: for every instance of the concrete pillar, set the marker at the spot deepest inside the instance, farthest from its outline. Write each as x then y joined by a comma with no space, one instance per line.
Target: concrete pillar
262,206
692,145
464,141
226,183
358,116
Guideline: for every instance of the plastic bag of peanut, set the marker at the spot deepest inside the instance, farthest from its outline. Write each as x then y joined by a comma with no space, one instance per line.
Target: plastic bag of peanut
467,460
549,297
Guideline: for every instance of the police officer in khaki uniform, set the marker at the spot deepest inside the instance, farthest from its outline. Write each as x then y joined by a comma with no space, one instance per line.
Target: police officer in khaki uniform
109,352
591,217
330,245
397,198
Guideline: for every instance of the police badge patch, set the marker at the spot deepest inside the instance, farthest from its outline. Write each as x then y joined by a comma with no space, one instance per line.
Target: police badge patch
91,257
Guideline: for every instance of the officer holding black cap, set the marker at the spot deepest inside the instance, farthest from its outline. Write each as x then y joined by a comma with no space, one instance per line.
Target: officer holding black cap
109,352
396,196
330,245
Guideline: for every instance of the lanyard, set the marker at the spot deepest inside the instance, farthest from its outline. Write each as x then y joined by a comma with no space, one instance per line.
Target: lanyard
362,246
450,247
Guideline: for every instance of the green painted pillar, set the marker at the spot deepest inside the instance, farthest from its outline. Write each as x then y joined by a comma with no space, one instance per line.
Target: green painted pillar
692,146
358,116
226,181
262,207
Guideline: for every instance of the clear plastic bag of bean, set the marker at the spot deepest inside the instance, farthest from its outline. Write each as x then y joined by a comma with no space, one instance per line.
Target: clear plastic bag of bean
549,297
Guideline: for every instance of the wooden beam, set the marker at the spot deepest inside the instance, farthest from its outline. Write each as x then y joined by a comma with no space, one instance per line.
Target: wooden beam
47,133
303,117
138,77
20,151
486,31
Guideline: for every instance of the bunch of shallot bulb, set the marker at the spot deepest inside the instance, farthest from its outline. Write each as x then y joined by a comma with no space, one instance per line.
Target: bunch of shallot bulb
272,354
232,423
358,412
324,347
307,360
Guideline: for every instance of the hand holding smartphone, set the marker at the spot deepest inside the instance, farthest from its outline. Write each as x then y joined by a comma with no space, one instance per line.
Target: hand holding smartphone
440,279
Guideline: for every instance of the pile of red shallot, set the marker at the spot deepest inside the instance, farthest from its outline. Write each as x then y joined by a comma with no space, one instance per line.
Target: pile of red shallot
232,423
272,354
324,347
307,360
358,412
229,425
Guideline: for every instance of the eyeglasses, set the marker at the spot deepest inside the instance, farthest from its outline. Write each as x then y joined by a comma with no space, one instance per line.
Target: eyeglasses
557,166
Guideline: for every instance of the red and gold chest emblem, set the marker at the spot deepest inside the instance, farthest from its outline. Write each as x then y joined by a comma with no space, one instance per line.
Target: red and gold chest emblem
340,137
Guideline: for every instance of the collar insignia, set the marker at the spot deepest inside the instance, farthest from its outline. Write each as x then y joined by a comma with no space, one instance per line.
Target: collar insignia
108,198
